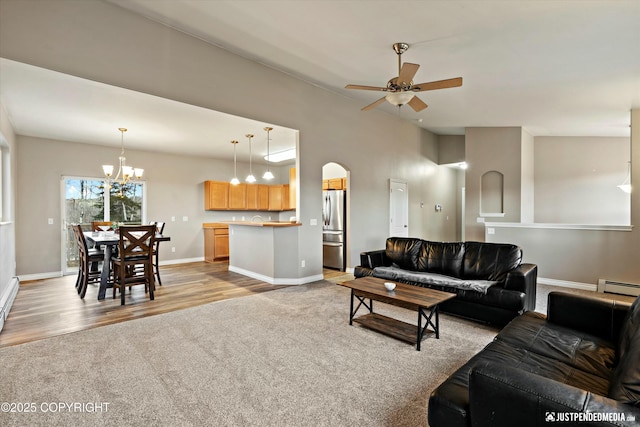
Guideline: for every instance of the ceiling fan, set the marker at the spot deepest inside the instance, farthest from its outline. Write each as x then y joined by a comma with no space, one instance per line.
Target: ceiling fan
401,90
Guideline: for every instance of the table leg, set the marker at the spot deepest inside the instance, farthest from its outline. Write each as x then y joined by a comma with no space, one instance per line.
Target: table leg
351,313
106,272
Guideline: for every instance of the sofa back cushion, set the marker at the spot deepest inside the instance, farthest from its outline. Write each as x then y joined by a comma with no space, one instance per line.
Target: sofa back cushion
403,251
489,261
625,384
441,258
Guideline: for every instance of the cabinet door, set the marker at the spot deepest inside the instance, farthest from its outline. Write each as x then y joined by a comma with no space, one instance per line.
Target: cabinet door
216,195
252,197
263,197
221,243
335,184
275,197
238,196
286,197
209,245
293,184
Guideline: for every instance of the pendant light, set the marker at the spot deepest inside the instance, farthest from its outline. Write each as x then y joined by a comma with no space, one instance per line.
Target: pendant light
235,180
626,184
268,174
125,173
250,178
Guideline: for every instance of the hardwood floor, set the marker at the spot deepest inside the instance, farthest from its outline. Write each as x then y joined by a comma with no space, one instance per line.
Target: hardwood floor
46,308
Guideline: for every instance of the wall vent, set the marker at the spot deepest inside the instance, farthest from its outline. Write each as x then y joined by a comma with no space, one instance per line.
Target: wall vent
614,287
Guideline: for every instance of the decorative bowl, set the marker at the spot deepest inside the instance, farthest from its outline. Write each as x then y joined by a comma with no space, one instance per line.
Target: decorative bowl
389,285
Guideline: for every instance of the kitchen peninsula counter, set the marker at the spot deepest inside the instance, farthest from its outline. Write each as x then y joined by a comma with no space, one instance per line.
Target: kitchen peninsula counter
265,250
265,223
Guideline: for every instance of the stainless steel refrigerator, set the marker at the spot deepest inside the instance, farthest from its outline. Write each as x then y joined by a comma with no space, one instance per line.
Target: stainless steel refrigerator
334,229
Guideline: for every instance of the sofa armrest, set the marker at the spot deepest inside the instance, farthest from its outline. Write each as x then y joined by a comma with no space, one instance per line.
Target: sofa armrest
373,259
600,317
534,400
524,279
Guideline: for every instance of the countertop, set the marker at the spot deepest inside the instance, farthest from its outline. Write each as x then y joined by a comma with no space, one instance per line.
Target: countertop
265,223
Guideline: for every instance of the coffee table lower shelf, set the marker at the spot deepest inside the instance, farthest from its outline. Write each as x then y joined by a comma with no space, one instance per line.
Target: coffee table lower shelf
392,327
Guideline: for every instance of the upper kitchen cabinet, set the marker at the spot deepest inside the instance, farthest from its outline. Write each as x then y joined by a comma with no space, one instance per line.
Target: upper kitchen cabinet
334,184
293,185
279,197
216,195
238,196
258,197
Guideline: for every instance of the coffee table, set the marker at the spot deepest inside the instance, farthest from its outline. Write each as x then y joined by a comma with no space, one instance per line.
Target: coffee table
423,300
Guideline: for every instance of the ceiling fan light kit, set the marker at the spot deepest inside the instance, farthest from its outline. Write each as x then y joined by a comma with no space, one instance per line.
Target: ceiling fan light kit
401,90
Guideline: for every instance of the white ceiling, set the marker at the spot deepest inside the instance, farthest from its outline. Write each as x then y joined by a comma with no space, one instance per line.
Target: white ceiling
554,67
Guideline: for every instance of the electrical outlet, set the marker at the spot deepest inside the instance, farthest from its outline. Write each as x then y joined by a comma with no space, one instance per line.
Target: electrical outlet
173,219
491,230
173,249
185,218
313,221
303,263
50,221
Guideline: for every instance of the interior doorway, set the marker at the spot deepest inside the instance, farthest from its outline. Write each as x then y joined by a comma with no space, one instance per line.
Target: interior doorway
335,218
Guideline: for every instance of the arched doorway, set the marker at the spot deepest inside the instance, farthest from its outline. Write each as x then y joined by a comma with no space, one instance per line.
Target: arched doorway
335,219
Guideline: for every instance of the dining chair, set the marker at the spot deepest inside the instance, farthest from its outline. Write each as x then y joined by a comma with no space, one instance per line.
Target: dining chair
95,225
86,259
156,270
135,249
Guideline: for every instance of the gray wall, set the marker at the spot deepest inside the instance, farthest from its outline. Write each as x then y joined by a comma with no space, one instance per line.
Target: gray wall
576,179
105,43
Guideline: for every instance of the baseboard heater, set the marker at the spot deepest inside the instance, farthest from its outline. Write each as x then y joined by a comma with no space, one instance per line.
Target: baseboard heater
614,287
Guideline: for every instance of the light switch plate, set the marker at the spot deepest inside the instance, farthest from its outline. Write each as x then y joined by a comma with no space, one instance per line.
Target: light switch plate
313,221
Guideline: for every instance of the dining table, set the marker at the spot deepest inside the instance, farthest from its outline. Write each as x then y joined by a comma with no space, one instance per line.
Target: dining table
109,240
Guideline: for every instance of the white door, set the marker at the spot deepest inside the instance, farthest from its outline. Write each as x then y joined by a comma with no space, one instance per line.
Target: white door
399,208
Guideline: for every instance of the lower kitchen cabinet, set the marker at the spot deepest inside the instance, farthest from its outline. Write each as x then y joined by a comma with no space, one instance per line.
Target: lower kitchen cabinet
216,241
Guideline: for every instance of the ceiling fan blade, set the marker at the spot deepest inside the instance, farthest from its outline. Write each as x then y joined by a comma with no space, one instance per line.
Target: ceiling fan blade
374,105
407,72
417,104
440,84
360,87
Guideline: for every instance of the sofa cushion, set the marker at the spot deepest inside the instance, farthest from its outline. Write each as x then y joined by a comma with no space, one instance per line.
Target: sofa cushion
403,252
625,385
395,273
441,258
580,350
489,261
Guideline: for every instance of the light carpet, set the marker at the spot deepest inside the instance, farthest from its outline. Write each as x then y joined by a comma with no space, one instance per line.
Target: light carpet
282,358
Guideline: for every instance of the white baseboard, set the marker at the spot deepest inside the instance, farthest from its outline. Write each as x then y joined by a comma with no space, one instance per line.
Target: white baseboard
276,280
181,261
6,300
40,276
568,284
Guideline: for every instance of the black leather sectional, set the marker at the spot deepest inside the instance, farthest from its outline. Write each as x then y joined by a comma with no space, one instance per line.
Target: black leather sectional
489,279
577,366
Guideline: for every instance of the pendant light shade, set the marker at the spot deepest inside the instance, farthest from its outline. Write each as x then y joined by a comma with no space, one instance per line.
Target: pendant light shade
235,180
250,178
268,175
626,184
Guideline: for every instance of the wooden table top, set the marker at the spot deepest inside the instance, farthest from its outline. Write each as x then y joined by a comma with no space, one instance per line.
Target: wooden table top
403,293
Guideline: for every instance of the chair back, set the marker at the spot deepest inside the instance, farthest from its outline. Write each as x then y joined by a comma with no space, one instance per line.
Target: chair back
95,225
82,242
136,241
159,226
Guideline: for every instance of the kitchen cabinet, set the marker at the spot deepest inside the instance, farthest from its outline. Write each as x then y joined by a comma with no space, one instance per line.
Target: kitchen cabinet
238,196
216,195
216,241
222,196
293,184
257,197
279,197
334,184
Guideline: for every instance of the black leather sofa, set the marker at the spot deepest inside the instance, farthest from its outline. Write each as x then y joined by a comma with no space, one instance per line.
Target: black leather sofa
491,282
577,366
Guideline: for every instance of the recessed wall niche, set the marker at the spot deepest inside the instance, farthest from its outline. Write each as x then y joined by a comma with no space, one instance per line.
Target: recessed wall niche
492,194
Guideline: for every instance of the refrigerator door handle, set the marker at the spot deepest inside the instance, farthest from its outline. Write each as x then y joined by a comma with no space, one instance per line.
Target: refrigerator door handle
331,244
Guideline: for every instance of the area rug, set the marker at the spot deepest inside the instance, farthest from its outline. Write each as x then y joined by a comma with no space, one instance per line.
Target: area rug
281,358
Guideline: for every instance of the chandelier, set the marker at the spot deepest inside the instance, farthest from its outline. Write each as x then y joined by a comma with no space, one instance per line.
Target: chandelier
125,173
